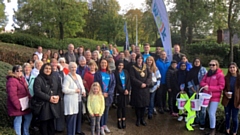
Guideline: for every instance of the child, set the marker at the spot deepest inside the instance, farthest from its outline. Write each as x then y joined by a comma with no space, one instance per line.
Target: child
95,106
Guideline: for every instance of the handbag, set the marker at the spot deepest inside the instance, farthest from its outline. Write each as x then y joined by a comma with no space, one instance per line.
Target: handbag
35,105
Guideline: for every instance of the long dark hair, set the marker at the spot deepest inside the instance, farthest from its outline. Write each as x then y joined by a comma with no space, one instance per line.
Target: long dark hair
229,74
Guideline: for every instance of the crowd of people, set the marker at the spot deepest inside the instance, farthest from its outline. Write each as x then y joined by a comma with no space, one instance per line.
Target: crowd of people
54,91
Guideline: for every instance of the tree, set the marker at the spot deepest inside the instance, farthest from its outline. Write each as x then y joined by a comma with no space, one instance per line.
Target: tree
3,18
56,18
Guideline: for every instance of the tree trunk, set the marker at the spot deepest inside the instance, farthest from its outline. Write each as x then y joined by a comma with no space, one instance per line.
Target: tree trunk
190,25
61,31
183,34
230,30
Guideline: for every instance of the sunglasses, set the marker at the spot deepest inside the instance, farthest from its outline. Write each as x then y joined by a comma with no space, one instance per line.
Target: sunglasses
212,65
19,71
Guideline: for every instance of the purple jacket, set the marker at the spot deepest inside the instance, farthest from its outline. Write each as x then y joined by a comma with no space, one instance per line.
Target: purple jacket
16,89
215,84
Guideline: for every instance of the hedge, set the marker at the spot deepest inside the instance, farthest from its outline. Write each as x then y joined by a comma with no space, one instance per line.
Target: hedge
48,43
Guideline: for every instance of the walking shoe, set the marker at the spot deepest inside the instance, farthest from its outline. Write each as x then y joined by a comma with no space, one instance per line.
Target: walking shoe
201,127
154,111
102,131
185,119
123,124
143,122
194,124
106,129
149,117
138,122
166,110
119,123
180,118
161,111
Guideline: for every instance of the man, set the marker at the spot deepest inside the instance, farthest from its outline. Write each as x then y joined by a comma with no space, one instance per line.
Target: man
110,49
104,47
111,63
39,52
132,48
122,57
146,52
70,56
157,53
132,60
95,56
88,56
177,55
162,65
137,50
106,53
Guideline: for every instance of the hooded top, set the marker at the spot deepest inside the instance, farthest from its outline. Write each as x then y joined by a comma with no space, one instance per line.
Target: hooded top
16,88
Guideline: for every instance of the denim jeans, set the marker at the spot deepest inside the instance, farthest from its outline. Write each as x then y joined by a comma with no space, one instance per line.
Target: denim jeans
71,121
104,117
212,108
18,123
201,116
231,111
151,103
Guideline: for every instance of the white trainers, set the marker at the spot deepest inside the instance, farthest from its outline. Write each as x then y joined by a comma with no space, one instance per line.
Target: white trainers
106,129
185,118
102,131
180,118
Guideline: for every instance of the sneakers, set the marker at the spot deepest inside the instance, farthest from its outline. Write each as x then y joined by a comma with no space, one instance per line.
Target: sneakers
106,129
180,118
102,131
201,127
154,111
185,119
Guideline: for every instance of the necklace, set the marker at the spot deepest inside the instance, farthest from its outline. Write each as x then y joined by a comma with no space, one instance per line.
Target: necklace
141,71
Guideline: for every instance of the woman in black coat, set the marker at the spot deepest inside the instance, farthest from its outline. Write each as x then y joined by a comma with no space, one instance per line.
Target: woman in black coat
47,89
141,78
121,92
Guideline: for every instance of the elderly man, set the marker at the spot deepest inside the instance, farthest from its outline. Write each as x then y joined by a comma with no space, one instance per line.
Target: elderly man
177,55
39,52
88,56
122,57
70,56
137,50
132,48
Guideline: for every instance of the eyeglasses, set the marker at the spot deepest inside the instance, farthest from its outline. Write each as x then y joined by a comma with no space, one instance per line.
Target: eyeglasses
19,71
212,65
61,62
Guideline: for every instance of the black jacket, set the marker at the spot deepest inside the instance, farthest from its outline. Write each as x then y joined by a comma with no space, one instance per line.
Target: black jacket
67,60
122,100
140,97
172,79
178,57
43,92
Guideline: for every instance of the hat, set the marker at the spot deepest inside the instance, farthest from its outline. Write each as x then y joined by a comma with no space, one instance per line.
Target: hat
173,61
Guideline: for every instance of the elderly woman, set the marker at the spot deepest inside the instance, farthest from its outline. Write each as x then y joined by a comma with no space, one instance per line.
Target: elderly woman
37,66
27,68
73,90
82,68
47,90
106,79
141,78
63,65
213,82
95,57
16,90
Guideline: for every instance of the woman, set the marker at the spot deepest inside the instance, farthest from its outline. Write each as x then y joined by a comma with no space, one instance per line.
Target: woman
46,57
115,54
213,83
55,55
63,65
141,77
49,54
231,100
122,93
82,68
195,76
47,90
107,81
127,55
73,90
27,68
37,66
156,76
80,51
88,78
95,57
61,53
16,90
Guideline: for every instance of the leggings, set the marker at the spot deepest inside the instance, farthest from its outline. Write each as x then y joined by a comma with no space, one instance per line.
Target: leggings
95,124
121,112
212,108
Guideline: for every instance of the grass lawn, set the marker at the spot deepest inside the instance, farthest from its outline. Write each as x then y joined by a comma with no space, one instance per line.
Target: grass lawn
152,49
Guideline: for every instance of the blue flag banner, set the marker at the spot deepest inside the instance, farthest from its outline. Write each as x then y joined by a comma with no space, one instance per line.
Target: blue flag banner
126,47
161,18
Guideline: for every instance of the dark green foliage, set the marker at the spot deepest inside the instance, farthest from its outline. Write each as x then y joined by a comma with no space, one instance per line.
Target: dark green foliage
47,43
7,131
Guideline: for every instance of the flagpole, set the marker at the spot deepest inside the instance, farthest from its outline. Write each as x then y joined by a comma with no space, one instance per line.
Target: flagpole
136,31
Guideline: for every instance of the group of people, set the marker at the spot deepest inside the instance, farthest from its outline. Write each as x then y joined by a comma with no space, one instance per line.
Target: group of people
63,87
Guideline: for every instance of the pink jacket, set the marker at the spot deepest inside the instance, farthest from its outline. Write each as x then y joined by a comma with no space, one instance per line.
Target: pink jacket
16,88
215,84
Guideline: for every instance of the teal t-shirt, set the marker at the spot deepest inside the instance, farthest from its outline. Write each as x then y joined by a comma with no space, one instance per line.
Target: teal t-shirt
105,81
122,78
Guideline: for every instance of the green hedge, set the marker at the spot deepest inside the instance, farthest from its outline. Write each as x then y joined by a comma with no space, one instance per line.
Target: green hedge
34,41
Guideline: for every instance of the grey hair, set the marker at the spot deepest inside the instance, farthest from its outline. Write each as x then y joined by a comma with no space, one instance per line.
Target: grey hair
61,59
87,52
36,62
71,64
81,58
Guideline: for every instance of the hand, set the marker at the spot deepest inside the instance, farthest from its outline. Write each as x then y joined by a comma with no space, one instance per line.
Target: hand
126,92
105,95
78,91
54,99
84,94
92,115
143,85
169,90
229,96
238,106
206,87
97,115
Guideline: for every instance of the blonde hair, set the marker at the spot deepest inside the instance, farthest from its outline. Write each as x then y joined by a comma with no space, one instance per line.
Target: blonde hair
153,67
216,62
95,84
92,62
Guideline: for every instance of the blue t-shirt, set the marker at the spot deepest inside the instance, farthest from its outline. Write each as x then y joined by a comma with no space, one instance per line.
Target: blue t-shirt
122,78
111,52
145,56
232,86
105,81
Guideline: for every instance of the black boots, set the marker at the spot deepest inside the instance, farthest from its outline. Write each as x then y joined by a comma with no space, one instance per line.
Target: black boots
123,124
119,124
212,132
138,122
143,122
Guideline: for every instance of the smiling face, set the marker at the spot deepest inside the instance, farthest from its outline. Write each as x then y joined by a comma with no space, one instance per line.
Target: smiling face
27,69
232,69
73,69
146,48
183,67
19,72
149,62
120,66
197,63
139,61
103,64
47,70
95,89
213,65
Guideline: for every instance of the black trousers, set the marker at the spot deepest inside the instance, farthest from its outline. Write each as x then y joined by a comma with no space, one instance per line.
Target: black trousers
172,101
121,112
140,112
162,96
47,127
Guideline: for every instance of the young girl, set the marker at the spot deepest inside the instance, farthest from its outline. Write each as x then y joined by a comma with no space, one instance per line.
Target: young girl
95,106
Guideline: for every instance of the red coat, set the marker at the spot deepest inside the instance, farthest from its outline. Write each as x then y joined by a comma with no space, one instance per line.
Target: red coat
89,78
16,89
215,84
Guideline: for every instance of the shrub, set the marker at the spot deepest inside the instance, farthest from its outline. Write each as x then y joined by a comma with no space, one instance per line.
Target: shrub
34,41
7,131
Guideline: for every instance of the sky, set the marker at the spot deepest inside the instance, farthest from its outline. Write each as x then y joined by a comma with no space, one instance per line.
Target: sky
125,4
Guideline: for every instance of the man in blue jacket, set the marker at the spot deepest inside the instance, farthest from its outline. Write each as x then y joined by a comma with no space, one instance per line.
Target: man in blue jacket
162,63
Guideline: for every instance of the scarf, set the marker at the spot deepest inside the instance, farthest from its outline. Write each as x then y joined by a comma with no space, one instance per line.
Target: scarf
211,73
48,79
193,75
182,75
